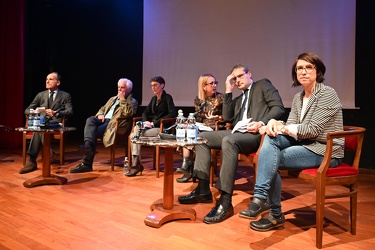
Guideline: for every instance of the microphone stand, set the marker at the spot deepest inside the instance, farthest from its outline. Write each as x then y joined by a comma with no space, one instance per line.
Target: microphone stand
46,123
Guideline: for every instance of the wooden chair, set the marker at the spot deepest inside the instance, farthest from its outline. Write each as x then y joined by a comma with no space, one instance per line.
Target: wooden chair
344,175
156,155
121,135
215,154
58,135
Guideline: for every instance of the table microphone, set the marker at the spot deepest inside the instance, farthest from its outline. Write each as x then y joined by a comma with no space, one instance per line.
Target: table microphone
46,123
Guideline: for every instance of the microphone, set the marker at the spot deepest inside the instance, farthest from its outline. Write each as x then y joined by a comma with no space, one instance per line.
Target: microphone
47,121
141,127
167,129
200,107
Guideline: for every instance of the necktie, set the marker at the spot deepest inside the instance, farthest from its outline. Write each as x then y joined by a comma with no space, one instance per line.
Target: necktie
50,100
243,107
110,112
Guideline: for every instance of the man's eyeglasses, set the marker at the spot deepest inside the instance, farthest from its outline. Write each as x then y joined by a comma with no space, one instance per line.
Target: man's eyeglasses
212,83
236,78
308,69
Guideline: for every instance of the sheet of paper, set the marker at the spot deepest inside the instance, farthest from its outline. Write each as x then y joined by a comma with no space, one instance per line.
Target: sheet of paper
202,127
241,126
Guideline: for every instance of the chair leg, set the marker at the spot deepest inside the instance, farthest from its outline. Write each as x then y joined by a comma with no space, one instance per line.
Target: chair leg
320,202
113,151
24,143
129,152
353,210
62,149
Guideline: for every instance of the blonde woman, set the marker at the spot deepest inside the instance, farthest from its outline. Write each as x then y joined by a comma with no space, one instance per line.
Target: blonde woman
208,106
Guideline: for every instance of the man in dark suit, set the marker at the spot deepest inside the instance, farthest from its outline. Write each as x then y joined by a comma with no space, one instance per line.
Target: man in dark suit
57,104
259,101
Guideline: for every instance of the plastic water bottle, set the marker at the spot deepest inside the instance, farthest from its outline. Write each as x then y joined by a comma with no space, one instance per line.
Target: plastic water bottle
180,129
37,120
126,165
191,131
30,121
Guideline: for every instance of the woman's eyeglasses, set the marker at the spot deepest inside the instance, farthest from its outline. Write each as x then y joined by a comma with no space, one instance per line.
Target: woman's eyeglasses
212,83
308,69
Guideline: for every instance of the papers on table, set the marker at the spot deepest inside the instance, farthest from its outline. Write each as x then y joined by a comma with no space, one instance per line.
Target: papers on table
202,127
241,126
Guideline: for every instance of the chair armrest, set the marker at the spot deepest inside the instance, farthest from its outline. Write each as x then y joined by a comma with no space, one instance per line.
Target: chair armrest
165,121
228,125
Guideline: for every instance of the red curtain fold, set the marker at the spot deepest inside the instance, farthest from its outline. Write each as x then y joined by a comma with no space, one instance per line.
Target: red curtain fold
12,27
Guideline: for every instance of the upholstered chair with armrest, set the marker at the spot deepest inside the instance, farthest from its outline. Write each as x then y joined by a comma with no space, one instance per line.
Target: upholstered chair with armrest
121,136
344,175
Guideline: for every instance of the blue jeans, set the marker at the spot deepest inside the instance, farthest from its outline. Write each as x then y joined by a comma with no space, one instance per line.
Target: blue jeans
281,152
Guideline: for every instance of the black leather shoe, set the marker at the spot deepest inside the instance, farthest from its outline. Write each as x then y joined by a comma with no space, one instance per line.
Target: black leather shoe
85,150
266,224
195,197
218,214
253,214
81,168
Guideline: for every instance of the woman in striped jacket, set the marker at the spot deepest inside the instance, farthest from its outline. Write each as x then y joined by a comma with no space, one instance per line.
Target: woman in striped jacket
297,144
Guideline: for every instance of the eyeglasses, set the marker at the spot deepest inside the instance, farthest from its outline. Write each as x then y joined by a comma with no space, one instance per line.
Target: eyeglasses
308,69
238,77
121,87
154,85
212,83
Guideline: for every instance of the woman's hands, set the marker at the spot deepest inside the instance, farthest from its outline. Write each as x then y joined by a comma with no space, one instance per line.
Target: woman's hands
210,115
272,128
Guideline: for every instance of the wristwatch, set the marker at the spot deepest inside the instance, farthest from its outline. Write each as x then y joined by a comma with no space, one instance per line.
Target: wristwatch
282,130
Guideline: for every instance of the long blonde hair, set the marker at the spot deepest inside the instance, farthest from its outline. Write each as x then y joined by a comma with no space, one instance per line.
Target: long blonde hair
202,81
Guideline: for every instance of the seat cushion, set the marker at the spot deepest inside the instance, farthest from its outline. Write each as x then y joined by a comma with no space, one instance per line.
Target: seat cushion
341,170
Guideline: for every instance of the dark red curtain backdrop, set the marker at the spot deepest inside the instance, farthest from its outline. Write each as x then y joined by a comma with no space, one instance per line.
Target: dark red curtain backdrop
11,70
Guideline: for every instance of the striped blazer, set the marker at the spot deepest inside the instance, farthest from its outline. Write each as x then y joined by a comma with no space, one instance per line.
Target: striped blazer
323,114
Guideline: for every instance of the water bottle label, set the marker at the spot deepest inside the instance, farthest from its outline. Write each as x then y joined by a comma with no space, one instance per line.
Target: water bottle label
191,134
180,133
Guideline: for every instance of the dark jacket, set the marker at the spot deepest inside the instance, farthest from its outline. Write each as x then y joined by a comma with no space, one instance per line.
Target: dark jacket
165,108
264,103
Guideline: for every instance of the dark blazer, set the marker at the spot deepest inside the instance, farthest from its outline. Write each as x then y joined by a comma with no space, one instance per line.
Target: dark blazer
264,103
165,108
41,100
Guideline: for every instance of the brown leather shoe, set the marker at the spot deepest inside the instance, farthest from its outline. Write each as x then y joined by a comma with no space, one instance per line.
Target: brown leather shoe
28,167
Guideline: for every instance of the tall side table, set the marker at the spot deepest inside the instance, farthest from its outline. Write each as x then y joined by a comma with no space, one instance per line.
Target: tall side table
46,178
167,210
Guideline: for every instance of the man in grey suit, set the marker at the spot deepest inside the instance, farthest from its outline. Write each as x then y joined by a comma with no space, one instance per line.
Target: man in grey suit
259,101
57,104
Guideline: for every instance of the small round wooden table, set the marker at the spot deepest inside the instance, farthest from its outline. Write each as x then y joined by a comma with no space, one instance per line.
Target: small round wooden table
167,210
46,178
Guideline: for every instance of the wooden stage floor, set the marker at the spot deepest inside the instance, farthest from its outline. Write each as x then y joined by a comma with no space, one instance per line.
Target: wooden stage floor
106,210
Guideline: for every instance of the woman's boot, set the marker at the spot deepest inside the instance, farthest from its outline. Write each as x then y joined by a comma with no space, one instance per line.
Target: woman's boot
187,176
186,164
